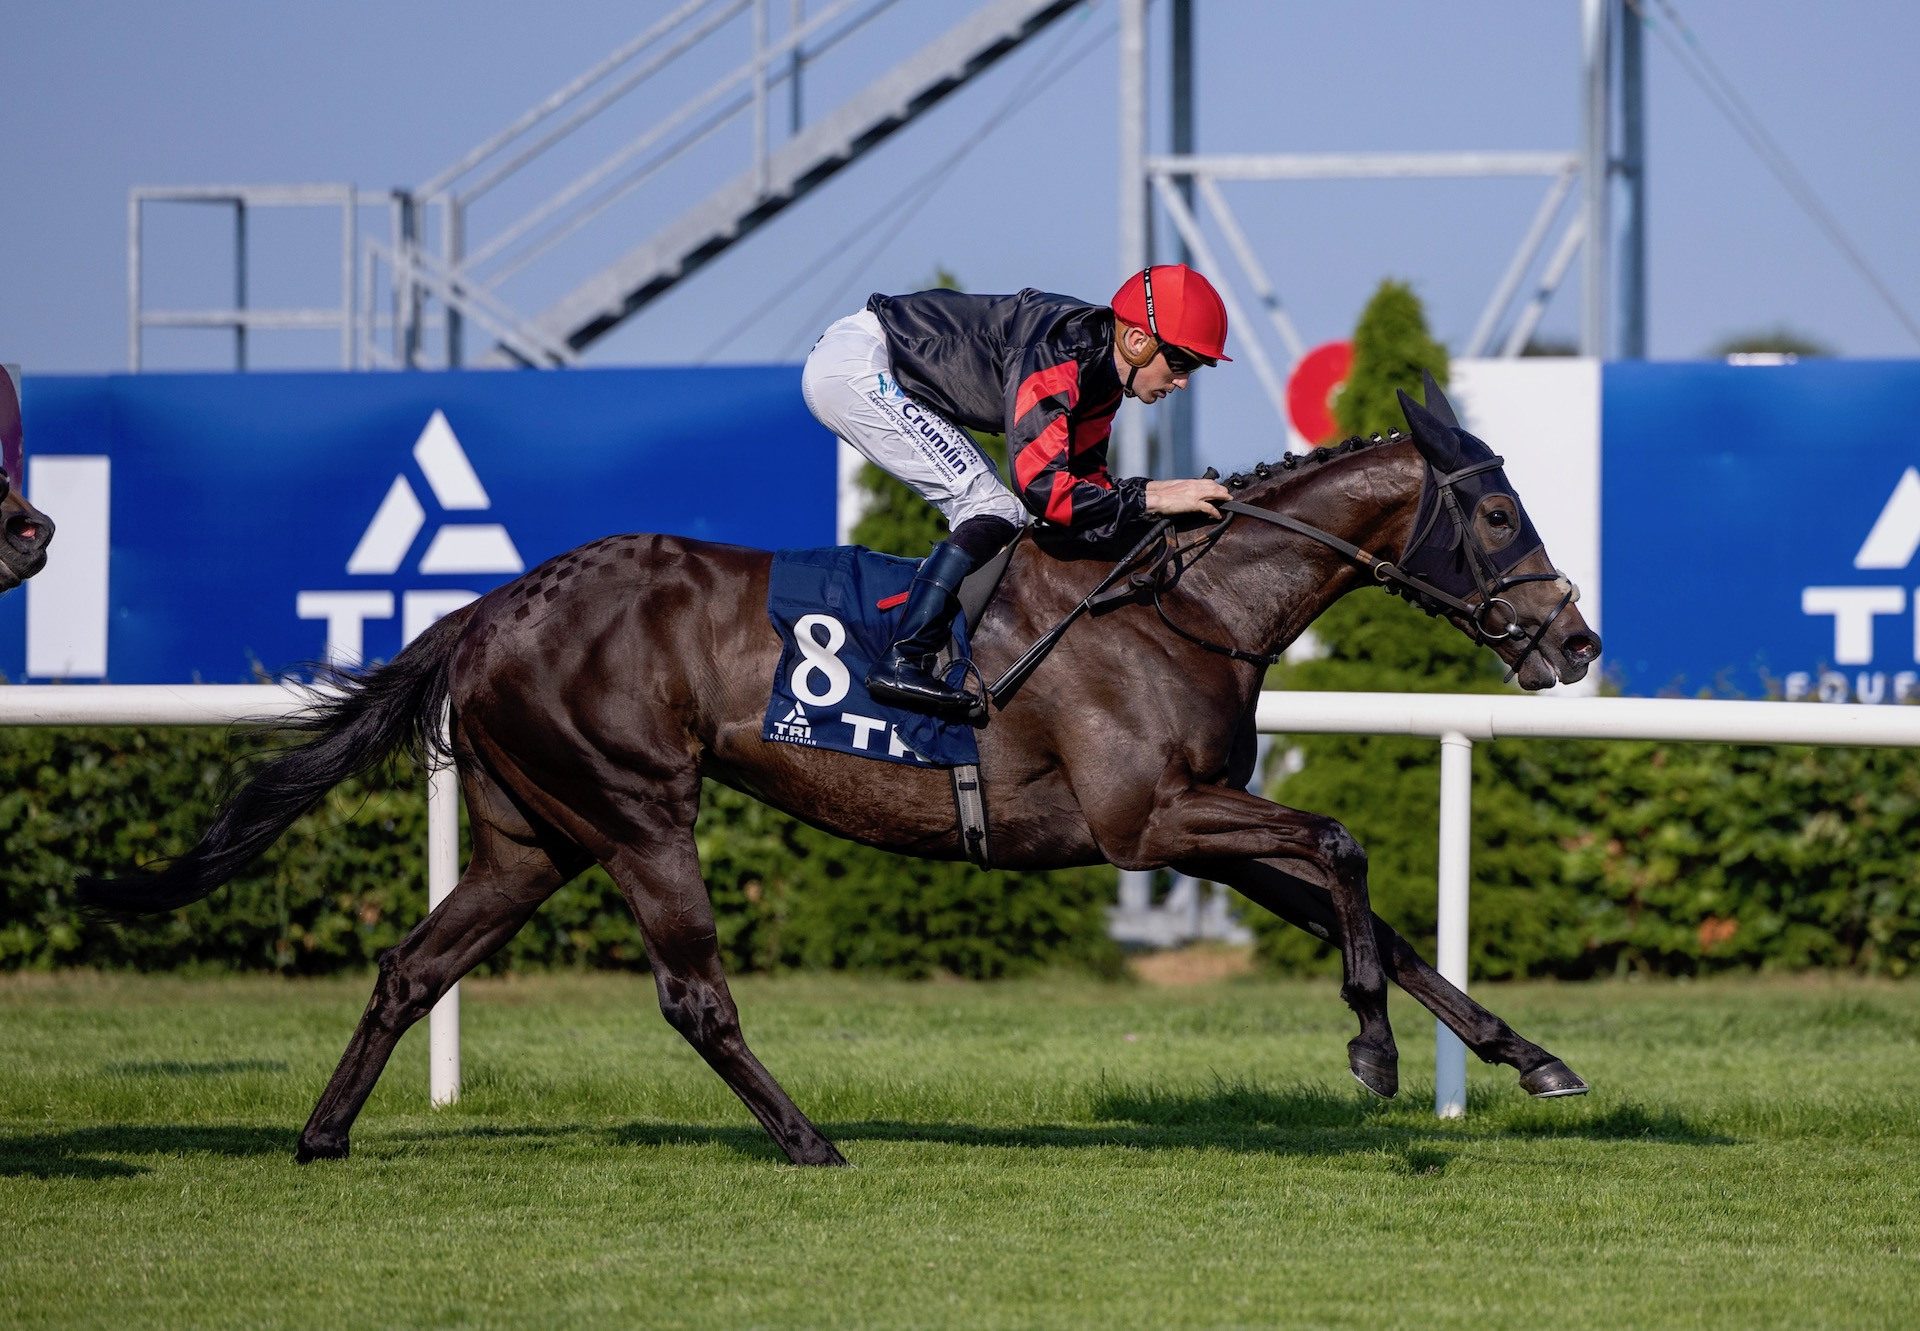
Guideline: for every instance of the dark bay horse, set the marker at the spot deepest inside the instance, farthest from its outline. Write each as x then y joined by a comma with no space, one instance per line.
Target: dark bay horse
24,529
589,698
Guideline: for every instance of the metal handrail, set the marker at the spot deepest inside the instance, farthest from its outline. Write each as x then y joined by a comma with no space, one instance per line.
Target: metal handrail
535,115
599,104
520,241
755,71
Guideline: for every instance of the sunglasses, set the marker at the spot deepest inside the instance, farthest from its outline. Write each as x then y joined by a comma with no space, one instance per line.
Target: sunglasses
1182,361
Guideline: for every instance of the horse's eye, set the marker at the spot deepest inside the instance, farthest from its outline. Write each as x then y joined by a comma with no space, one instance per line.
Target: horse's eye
1499,517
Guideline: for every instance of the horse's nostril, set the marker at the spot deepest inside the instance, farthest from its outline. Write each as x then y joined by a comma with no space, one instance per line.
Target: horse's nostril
1582,648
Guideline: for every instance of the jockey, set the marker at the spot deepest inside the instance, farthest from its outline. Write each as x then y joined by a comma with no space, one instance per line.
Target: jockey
899,379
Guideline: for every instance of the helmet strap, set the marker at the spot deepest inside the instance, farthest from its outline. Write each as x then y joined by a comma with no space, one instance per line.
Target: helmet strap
1152,349
1135,363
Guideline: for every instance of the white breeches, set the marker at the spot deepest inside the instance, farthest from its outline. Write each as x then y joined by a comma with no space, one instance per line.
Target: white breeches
849,386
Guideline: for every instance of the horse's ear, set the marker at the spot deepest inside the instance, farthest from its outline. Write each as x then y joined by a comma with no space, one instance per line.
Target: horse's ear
1437,401
1432,436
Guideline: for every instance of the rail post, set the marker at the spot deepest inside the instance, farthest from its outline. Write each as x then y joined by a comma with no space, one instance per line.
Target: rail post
1456,843
443,871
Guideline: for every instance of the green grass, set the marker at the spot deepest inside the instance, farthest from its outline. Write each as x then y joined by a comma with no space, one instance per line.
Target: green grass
1037,1154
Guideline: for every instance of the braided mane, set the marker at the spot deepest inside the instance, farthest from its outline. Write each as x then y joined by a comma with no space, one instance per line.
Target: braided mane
1240,480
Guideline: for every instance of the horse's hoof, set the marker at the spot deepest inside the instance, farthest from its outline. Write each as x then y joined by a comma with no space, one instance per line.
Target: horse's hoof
1551,1079
320,1148
824,1154
1378,1072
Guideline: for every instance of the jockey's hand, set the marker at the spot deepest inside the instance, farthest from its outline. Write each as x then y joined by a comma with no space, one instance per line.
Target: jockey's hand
1196,496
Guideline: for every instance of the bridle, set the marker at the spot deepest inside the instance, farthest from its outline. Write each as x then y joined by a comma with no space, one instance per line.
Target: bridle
1438,494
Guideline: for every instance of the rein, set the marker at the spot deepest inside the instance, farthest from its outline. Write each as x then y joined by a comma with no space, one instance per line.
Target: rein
1488,581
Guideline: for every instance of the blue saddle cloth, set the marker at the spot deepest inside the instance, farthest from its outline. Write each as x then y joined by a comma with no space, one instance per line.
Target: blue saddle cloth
826,605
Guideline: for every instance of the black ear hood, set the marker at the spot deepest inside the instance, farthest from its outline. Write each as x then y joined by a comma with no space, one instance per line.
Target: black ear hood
1436,401
1438,550
1436,439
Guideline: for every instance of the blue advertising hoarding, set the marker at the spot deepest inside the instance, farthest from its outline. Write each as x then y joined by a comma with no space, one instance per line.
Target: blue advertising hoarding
217,528
1759,526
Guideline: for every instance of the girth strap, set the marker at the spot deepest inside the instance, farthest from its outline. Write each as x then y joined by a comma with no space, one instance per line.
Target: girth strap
969,802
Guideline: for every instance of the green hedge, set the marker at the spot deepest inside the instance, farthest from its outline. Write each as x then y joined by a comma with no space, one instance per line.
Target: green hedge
349,880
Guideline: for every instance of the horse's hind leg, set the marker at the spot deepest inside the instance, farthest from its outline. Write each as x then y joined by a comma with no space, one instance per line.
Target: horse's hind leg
1308,907
636,815
514,868
659,874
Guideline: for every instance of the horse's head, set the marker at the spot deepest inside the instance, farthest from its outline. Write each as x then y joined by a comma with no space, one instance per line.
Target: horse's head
24,533
24,529
1473,543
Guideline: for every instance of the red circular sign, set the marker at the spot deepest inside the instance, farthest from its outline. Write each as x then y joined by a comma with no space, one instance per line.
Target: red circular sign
1310,391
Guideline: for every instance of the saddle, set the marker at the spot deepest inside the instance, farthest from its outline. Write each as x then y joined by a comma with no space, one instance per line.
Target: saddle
978,587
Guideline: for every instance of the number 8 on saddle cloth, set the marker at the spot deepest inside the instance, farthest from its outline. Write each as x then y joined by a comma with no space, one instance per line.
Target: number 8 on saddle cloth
834,610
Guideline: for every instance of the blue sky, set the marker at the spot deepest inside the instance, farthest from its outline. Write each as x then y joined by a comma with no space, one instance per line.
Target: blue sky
100,95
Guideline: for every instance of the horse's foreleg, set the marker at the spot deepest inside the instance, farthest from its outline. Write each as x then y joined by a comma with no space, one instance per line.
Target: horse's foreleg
1218,823
1308,907
660,878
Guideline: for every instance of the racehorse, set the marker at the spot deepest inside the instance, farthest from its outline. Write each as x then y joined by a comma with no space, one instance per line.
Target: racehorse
590,696
24,529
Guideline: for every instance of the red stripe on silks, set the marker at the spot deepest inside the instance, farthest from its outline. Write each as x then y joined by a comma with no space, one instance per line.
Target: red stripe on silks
1091,434
1099,478
1061,378
1060,502
889,602
1035,456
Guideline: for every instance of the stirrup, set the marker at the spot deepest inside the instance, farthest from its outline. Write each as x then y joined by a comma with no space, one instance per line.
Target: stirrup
934,698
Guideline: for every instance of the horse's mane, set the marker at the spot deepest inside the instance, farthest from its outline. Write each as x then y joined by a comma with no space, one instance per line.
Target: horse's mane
1061,544
1291,462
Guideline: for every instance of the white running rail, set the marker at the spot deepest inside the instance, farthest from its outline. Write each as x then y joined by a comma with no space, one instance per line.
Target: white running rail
1455,720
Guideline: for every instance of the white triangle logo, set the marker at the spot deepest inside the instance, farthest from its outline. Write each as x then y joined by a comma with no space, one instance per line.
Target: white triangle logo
456,547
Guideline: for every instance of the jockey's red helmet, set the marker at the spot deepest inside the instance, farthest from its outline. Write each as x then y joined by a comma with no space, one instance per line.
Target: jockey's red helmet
1178,306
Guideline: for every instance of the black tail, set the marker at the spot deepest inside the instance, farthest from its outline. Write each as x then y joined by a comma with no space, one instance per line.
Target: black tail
372,716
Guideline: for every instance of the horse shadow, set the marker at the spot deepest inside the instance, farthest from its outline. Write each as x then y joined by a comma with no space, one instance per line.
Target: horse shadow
85,1153
1300,1122
1305,1121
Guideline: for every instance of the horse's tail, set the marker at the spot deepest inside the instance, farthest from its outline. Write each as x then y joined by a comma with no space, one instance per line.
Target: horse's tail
369,718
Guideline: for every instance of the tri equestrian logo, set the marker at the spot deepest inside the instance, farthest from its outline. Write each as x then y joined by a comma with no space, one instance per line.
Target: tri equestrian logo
456,547
1889,545
795,727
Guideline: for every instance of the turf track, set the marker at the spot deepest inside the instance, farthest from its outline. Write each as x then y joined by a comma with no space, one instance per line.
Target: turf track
1035,1154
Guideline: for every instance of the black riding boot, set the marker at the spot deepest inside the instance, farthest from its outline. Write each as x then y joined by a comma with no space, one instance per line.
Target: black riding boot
904,676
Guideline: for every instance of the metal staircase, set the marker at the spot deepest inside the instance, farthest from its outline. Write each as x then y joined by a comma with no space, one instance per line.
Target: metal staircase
779,179
424,269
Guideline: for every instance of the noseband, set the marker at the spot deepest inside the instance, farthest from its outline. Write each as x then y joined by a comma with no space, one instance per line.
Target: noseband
1422,549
